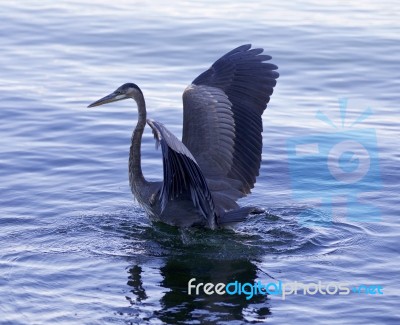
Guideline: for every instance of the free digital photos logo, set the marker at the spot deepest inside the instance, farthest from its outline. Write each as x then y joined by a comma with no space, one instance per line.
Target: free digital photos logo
340,166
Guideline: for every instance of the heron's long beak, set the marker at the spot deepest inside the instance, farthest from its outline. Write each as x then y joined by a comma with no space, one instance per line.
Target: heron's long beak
113,97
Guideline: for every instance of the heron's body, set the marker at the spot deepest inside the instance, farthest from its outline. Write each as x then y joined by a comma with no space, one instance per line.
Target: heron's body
219,157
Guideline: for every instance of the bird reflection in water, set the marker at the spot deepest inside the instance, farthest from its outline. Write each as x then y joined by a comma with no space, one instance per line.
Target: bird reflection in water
177,306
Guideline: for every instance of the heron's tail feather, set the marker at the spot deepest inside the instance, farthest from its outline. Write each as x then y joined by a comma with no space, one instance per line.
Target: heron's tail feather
237,215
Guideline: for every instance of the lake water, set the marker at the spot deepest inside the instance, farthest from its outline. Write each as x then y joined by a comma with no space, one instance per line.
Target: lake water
77,249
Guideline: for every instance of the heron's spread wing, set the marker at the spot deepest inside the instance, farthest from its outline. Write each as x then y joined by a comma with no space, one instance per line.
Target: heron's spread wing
209,133
182,174
222,118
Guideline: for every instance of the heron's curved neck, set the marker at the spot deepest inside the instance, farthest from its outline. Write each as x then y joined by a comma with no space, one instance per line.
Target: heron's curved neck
136,177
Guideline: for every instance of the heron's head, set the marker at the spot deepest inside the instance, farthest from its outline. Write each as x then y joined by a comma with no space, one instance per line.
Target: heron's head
128,90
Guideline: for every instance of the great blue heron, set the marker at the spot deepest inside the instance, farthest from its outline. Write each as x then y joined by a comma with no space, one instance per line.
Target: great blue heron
219,157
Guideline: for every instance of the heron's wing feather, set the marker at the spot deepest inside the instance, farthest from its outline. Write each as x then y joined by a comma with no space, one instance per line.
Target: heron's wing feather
242,78
182,173
209,132
209,129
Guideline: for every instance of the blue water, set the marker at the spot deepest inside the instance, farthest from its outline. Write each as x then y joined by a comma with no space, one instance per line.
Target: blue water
77,249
